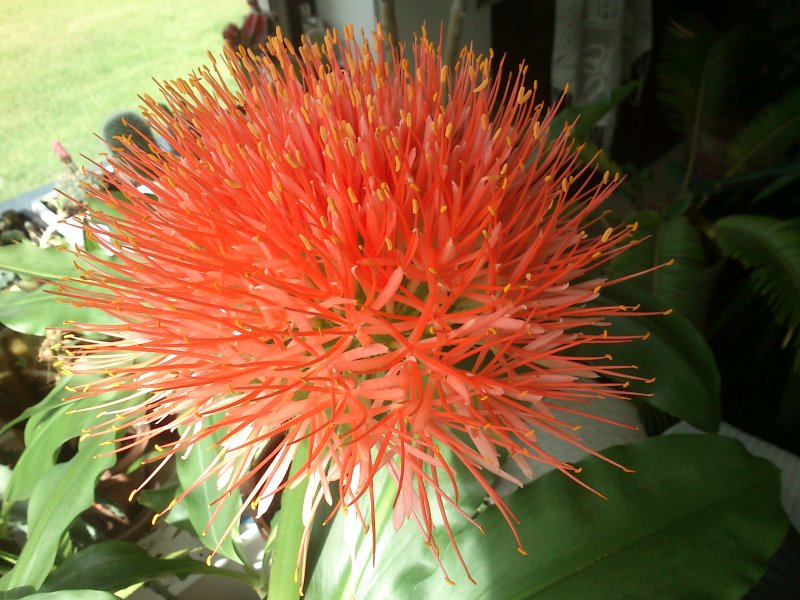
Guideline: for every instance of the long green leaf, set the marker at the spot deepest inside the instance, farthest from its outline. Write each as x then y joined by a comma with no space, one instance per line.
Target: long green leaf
45,263
699,518
686,284
771,249
209,517
112,566
344,568
284,581
696,73
34,312
58,498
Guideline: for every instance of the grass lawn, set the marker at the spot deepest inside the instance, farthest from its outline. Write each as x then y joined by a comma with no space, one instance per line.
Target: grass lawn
67,66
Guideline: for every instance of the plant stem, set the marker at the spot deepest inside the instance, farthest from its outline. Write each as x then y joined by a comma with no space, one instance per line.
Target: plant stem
455,26
284,576
388,19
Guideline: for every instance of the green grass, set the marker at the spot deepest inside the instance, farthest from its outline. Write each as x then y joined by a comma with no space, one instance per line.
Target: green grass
67,66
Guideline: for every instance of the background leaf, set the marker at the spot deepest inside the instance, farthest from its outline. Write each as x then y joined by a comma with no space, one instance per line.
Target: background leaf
34,312
588,115
767,138
112,566
45,434
58,498
698,519
208,517
696,72
33,261
686,285
687,384
344,566
771,249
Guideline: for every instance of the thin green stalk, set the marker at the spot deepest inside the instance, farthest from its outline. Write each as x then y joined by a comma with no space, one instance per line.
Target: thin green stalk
284,578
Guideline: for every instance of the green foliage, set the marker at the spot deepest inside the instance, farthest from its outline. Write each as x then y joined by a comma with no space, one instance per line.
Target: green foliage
348,564
678,526
770,247
37,311
113,566
695,75
210,515
769,136
30,260
685,282
283,580
582,118
58,497
686,382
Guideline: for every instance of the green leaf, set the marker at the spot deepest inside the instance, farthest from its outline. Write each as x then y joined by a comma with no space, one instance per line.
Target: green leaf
45,433
159,499
283,581
696,73
112,566
34,312
588,115
769,136
58,498
210,516
770,248
344,568
33,261
699,518
686,285
73,595
686,382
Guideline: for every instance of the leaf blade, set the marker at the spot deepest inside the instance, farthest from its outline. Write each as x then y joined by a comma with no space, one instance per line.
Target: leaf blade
709,537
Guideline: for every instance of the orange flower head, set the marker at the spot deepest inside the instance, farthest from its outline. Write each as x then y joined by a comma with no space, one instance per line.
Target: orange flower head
386,259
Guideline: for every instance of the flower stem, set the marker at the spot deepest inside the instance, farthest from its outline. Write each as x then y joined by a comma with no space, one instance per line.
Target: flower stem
284,579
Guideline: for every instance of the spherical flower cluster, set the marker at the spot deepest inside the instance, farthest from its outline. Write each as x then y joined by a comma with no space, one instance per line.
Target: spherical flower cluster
380,257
